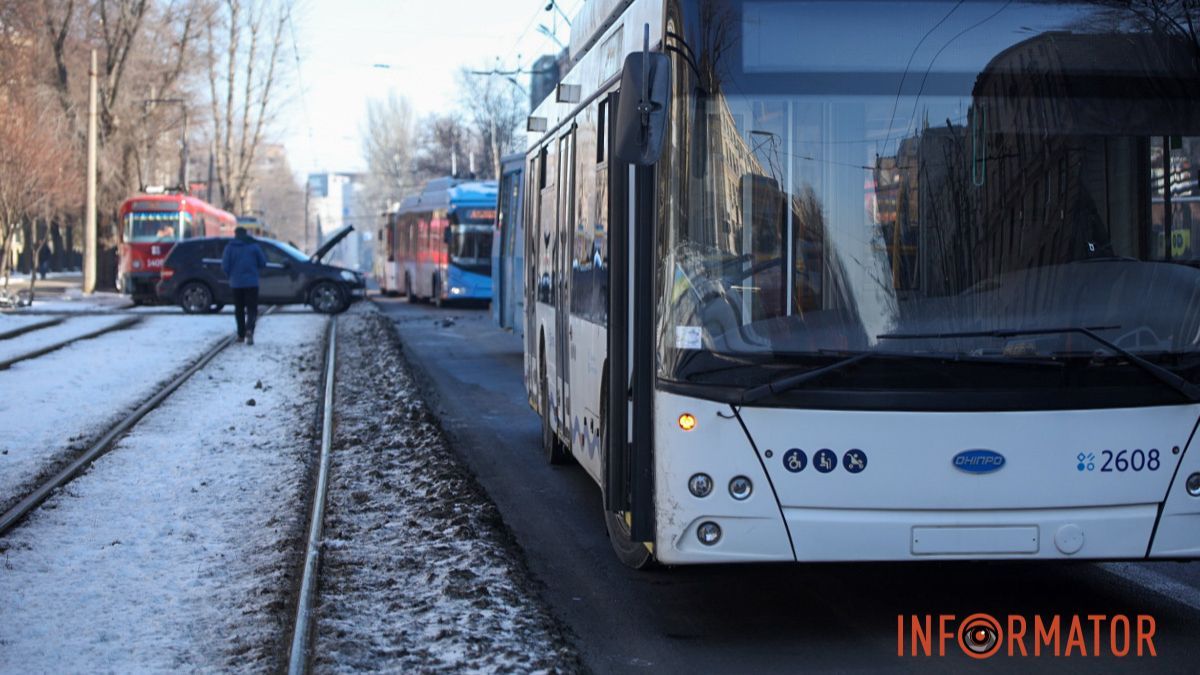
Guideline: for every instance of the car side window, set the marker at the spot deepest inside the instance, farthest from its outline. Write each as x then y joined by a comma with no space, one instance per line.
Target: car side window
273,254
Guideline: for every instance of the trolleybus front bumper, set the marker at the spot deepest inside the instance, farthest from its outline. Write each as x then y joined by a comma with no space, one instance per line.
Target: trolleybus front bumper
885,485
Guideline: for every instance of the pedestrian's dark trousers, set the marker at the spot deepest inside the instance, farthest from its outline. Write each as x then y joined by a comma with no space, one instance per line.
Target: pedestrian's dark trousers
245,309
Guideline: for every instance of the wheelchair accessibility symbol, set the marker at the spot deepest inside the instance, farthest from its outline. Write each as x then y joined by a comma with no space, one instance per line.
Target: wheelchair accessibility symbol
795,460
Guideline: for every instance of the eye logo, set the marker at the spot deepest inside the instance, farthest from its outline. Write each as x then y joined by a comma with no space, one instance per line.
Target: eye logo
979,636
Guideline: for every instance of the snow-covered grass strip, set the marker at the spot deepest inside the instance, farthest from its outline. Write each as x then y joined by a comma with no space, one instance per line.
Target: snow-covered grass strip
175,551
53,406
418,573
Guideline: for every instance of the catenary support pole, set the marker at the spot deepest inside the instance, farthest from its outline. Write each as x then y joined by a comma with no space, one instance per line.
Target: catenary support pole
90,254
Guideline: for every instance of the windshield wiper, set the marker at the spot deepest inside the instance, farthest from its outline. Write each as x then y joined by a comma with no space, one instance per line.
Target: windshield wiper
792,381
1179,384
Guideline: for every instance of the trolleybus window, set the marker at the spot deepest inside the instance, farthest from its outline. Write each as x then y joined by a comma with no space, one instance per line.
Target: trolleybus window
835,187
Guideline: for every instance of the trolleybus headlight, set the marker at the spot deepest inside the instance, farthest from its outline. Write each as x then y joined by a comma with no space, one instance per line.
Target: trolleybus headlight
700,485
708,533
1193,485
740,488
687,421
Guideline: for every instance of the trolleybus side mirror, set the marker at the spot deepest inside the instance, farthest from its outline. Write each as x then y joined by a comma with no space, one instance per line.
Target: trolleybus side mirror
642,107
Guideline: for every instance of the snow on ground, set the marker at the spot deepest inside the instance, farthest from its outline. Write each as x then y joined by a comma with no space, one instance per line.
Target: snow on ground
73,300
176,551
418,573
226,310
67,330
10,322
55,405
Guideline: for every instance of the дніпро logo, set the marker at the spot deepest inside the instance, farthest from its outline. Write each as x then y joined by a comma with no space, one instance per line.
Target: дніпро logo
979,461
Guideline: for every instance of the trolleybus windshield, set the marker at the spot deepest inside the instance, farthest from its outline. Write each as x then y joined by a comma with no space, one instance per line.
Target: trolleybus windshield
957,170
471,238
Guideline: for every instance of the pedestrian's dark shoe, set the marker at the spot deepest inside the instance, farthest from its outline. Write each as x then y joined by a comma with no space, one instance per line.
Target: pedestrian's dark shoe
241,338
250,338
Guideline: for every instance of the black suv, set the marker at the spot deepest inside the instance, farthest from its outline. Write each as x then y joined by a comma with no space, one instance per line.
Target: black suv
192,276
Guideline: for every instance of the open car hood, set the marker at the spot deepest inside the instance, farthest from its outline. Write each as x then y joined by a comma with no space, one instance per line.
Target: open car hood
333,240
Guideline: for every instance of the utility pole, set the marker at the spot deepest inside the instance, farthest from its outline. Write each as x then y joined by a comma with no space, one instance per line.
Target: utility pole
90,253
209,192
183,165
307,192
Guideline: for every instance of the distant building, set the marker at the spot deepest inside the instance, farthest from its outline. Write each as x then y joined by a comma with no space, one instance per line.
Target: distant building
337,199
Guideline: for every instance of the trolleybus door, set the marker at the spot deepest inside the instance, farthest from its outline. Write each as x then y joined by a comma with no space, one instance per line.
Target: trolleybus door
562,272
628,471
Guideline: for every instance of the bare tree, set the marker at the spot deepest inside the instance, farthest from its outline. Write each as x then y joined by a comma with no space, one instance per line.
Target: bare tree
277,197
119,28
443,145
388,148
34,180
244,42
496,108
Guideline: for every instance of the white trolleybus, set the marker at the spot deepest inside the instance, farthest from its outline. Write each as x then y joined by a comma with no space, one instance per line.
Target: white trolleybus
821,281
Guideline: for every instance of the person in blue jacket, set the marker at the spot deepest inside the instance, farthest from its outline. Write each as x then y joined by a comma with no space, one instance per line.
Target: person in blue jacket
241,262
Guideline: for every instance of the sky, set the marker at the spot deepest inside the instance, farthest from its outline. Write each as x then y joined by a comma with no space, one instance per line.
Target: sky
353,50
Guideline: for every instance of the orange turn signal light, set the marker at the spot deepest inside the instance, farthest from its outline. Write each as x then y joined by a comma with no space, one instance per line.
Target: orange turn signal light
687,421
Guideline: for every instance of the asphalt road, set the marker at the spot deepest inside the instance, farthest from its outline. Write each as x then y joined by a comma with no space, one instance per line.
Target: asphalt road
759,618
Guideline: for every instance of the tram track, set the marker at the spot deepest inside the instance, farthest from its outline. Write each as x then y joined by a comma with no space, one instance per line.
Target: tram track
123,324
13,516
21,330
300,653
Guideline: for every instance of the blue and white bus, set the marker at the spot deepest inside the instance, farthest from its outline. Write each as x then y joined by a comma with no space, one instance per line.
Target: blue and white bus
442,241
822,281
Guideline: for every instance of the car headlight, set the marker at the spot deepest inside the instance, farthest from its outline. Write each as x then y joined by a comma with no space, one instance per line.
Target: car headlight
347,275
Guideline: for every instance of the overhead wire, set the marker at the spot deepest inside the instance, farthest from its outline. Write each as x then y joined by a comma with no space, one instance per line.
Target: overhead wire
512,51
312,143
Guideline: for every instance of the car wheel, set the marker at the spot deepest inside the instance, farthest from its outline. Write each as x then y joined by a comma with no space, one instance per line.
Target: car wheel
327,298
195,298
